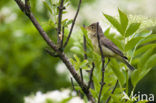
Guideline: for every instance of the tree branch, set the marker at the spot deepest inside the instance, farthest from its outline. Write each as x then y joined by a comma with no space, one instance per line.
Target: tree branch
103,62
72,84
73,23
61,55
91,75
51,53
59,34
81,74
62,38
112,91
84,47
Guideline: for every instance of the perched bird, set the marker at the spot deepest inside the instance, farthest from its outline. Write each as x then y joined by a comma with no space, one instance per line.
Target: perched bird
108,47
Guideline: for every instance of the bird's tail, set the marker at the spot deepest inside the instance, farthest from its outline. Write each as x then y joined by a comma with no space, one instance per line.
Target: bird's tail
128,65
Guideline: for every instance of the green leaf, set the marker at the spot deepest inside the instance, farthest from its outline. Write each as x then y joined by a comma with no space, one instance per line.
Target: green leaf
145,57
123,20
114,22
83,64
51,2
135,77
144,48
150,38
151,62
89,42
68,23
116,69
47,6
138,74
132,43
132,29
106,32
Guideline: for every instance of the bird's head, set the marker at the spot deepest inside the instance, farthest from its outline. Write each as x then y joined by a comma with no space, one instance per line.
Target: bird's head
92,29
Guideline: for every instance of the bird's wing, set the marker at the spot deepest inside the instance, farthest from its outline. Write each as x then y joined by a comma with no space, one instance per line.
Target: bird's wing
109,44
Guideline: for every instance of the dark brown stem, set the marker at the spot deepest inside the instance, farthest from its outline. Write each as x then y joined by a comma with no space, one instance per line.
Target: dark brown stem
84,47
51,53
81,74
91,75
59,34
61,55
62,38
103,62
72,84
112,91
73,23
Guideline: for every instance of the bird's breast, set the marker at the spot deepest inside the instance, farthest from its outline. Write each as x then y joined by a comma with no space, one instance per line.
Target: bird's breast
106,51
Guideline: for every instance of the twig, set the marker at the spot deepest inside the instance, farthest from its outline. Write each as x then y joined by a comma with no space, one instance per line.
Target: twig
85,56
62,38
103,62
73,23
62,56
84,47
59,34
72,84
112,91
51,53
91,75
81,74
107,62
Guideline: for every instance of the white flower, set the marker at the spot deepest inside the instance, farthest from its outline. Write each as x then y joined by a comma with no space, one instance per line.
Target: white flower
56,96
76,100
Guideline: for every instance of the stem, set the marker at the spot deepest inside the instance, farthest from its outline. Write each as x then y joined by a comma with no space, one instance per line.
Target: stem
103,63
112,91
59,35
61,55
73,23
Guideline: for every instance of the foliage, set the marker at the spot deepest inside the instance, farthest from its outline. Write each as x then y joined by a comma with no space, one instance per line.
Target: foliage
26,68
138,48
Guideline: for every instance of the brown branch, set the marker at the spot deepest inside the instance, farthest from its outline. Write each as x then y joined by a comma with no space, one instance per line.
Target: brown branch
59,34
51,53
81,74
103,62
85,56
72,84
62,38
61,55
91,75
84,47
73,23
112,91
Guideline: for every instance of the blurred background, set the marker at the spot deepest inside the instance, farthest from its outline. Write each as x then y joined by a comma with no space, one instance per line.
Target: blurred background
26,68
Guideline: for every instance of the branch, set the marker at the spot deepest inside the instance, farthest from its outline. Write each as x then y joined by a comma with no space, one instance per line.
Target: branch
85,56
62,38
112,91
51,53
103,62
59,35
61,55
84,47
91,75
73,23
81,74
72,84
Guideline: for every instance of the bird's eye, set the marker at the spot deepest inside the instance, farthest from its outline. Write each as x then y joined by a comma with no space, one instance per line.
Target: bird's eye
92,27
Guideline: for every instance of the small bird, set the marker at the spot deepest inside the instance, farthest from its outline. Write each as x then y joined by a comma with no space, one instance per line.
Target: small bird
108,47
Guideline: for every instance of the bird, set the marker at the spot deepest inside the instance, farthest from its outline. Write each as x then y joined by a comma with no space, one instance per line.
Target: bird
109,49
